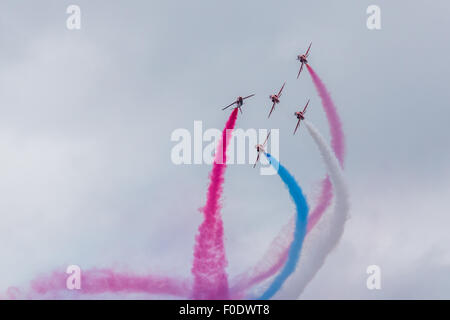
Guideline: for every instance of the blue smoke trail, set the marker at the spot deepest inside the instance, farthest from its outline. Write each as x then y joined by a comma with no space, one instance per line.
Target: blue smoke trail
301,222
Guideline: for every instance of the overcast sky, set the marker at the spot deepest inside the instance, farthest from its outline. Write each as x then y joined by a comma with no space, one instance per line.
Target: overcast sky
86,117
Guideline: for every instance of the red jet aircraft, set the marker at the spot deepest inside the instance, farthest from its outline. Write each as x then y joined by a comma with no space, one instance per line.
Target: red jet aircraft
275,98
260,148
303,59
239,102
300,116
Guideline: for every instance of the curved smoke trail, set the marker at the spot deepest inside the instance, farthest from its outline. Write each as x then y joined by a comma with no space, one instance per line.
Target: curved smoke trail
210,278
300,228
276,255
317,248
98,281
337,143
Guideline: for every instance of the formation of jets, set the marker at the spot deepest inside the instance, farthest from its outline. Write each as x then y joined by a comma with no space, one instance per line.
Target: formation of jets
275,98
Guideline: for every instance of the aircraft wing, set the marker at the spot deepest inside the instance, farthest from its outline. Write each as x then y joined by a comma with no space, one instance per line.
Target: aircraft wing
257,159
307,51
229,105
273,107
301,68
298,124
304,110
267,138
279,92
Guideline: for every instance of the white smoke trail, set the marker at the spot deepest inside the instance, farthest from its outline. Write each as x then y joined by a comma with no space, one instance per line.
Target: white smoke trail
325,237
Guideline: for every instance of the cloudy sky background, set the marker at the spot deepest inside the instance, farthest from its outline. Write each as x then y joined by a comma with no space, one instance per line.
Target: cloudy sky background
86,118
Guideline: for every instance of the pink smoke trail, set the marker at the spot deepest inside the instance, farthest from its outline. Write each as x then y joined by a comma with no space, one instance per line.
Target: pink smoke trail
337,144
98,281
210,278
276,255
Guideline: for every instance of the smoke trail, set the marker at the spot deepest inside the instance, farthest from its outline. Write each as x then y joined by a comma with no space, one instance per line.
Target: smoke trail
98,281
337,143
276,255
300,228
317,248
337,135
210,278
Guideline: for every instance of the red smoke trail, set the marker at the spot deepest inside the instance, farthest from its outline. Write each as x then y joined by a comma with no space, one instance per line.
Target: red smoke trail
98,281
337,144
276,255
210,278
